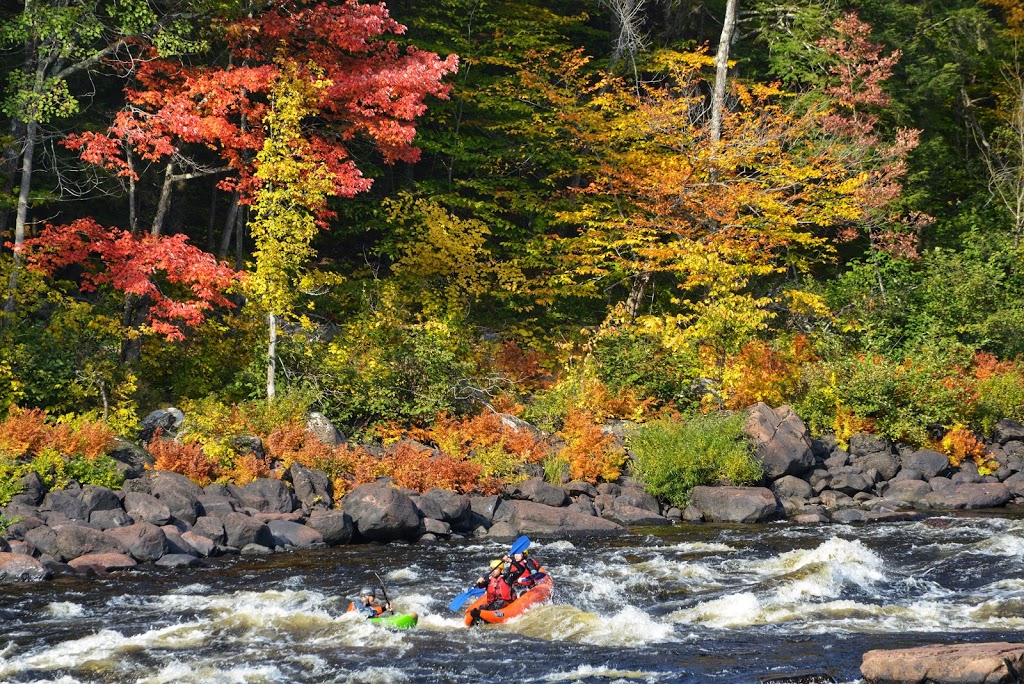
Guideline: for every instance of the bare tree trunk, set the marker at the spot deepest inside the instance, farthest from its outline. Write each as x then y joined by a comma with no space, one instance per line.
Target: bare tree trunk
271,356
213,218
133,210
164,204
722,70
240,223
229,229
636,294
27,158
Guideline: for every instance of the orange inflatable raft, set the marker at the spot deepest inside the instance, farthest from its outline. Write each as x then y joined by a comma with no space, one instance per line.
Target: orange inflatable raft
538,593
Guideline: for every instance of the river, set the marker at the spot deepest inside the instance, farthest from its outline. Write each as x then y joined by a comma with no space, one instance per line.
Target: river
683,604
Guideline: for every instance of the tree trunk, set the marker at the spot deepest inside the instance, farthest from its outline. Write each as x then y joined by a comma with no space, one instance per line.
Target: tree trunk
271,355
722,70
636,294
164,204
27,158
229,229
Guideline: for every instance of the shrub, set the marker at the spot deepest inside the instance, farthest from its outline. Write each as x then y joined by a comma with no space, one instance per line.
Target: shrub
23,432
671,458
11,473
556,468
590,452
633,363
51,468
101,471
960,444
580,388
187,459
763,372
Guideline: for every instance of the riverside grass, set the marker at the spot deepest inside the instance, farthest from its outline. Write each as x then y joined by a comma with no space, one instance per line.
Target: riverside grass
672,457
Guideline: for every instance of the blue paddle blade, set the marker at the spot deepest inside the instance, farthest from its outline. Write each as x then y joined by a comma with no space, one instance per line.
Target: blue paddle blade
472,592
519,545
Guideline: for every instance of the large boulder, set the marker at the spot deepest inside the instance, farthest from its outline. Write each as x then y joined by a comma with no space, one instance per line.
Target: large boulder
927,462
449,507
907,491
218,506
380,512
241,530
17,567
631,516
211,528
65,503
267,495
580,488
21,527
484,506
869,452
988,495
781,441
132,460
97,498
985,663
1008,430
72,541
637,497
177,492
529,517
44,539
203,546
323,429
537,490
293,534
144,541
312,487
790,487
735,504
850,481
176,544
32,489
334,527
167,420
146,508
108,519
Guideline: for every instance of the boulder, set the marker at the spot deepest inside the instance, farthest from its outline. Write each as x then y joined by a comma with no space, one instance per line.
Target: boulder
72,541
17,567
144,541
978,663
965,477
538,491
18,530
503,530
167,420
609,488
211,528
102,563
1008,430
146,508
248,445
323,429
267,495
312,487
735,504
179,560
638,498
579,488
22,547
241,530
382,513
1014,483
335,527
454,509
939,484
131,459
848,515
106,520
809,519
293,534
790,487
165,482
436,527
584,505
203,546
65,503
909,474
529,517
927,462
870,452
256,550
692,514
907,491
781,441
630,516
969,496
44,539
850,481
176,544
32,489
484,506
181,506
838,459
217,506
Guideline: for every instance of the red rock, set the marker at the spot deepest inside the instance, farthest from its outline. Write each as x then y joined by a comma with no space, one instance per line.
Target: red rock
985,663
102,562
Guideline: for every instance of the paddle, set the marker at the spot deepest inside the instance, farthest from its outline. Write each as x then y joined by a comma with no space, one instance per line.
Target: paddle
519,545
382,589
472,592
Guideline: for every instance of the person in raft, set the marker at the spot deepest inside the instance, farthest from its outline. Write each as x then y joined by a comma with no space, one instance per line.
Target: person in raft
499,590
367,604
520,571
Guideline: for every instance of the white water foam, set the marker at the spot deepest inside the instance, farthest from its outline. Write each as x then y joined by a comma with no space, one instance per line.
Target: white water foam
628,627
377,675
190,673
584,672
64,609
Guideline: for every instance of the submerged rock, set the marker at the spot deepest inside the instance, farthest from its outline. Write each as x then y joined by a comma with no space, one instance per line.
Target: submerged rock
986,663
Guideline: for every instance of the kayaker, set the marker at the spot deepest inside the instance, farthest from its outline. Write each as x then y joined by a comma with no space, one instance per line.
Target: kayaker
367,604
521,570
499,591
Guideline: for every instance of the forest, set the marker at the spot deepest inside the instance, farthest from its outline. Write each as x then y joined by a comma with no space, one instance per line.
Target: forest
414,217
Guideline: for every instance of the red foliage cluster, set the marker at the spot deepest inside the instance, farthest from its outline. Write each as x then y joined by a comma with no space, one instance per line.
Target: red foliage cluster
590,451
459,437
26,432
187,459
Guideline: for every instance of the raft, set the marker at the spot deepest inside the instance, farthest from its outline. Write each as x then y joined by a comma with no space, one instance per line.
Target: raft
400,621
539,593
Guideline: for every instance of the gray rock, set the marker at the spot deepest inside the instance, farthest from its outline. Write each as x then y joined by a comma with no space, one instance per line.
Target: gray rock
436,527
503,530
203,546
454,509
584,505
809,519
789,487
484,506
293,534
167,420
603,501
909,474
106,520
144,541
848,515
212,528
539,491
529,517
22,547
884,462
781,441
427,539
181,506
1015,484
32,489
146,508
323,429
381,513
267,495
965,477
833,500
938,484
312,487
692,514
162,482
44,539
969,496
218,506
862,444
838,459
132,460
630,516
179,560
609,488
176,544
1008,430
102,563
735,504
68,504
335,527
578,488
674,513
73,541
927,462
248,445
256,550
637,498
849,481
907,491
241,530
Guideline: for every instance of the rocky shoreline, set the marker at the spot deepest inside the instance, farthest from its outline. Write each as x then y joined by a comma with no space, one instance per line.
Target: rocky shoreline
163,518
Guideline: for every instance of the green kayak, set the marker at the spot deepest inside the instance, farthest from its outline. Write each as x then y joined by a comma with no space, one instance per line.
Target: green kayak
400,621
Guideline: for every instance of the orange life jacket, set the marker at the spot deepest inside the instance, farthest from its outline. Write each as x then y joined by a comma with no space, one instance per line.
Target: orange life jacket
376,609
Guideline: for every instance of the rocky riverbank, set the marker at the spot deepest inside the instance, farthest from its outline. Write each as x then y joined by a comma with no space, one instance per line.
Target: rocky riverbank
164,518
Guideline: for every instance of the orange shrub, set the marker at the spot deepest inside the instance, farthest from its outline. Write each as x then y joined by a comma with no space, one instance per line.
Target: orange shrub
521,367
246,469
960,444
187,459
762,373
590,452
88,438
23,432
420,470
458,438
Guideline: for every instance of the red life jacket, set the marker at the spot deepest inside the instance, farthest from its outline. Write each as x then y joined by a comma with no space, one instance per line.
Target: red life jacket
497,588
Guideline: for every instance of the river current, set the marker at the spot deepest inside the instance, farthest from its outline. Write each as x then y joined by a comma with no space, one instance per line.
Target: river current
700,603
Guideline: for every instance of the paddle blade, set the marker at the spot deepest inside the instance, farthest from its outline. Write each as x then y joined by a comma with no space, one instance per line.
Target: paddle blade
472,592
519,545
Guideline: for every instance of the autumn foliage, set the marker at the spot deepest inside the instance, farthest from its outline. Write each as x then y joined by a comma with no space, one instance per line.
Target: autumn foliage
27,432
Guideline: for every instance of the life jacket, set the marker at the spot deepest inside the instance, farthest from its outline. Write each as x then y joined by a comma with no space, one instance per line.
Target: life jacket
498,588
520,570
370,611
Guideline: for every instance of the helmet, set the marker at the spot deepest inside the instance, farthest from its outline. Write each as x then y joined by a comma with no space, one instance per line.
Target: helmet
367,591
496,564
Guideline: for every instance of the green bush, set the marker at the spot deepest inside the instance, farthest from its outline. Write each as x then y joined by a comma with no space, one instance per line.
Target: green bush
100,471
671,457
632,361
556,467
11,473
